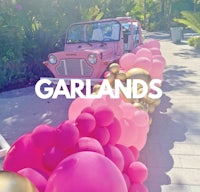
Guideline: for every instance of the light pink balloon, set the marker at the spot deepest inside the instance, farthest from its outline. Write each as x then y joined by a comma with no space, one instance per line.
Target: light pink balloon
160,58
144,52
138,187
137,172
128,110
144,63
152,43
67,135
141,118
85,172
157,68
127,60
90,144
86,123
35,177
155,51
115,155
77,106
129,132
140,142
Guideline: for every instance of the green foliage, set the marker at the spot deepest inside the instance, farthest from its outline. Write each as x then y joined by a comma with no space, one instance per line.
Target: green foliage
194,42
191,20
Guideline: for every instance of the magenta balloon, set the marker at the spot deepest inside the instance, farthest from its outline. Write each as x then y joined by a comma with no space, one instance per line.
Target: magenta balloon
144,52
102,135
155,51
137,172
35,177
135,152
104,116
141,118
144,63
127,180
90,144
129,132
115,155
67,135
43,136
86,123
88,110
138,187
115,131
126,61
77,106
52,157
127,154
23,153
85,172
152,43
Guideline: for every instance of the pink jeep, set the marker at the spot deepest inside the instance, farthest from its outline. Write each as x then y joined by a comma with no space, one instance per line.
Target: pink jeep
91,46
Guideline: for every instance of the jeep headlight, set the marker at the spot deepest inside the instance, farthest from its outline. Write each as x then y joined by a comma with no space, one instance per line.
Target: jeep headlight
92,58
52,59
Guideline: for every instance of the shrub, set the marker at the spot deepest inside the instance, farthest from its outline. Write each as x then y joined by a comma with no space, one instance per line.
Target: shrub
194,42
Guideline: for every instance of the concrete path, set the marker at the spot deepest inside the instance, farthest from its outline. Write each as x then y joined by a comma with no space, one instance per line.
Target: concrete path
172,152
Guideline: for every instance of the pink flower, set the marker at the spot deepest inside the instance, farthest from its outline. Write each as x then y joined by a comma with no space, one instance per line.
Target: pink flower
19,7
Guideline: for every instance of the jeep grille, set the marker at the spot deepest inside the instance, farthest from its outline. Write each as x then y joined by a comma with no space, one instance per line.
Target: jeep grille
74,67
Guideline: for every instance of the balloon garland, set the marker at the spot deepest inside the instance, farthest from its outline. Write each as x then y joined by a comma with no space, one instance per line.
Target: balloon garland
97,147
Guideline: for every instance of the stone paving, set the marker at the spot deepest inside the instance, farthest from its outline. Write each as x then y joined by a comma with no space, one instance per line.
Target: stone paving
172,152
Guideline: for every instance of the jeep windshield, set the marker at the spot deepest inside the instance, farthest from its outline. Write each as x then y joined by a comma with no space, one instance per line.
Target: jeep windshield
104,31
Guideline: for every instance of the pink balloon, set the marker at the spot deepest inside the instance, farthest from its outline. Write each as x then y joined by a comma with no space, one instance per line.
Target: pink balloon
140,142
67,135
160,58
104,116
77,106
102,135
113,101
157,67
152,43
144,52
144,63
88,110
138,187
117,111
52,157
127,180
115,131
90,144
98,103
43,136
135,152
126,61
35,177
127,154
129,132
23,153
155,51
86,123
115,155
141,118
137,172
128,110
86,171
